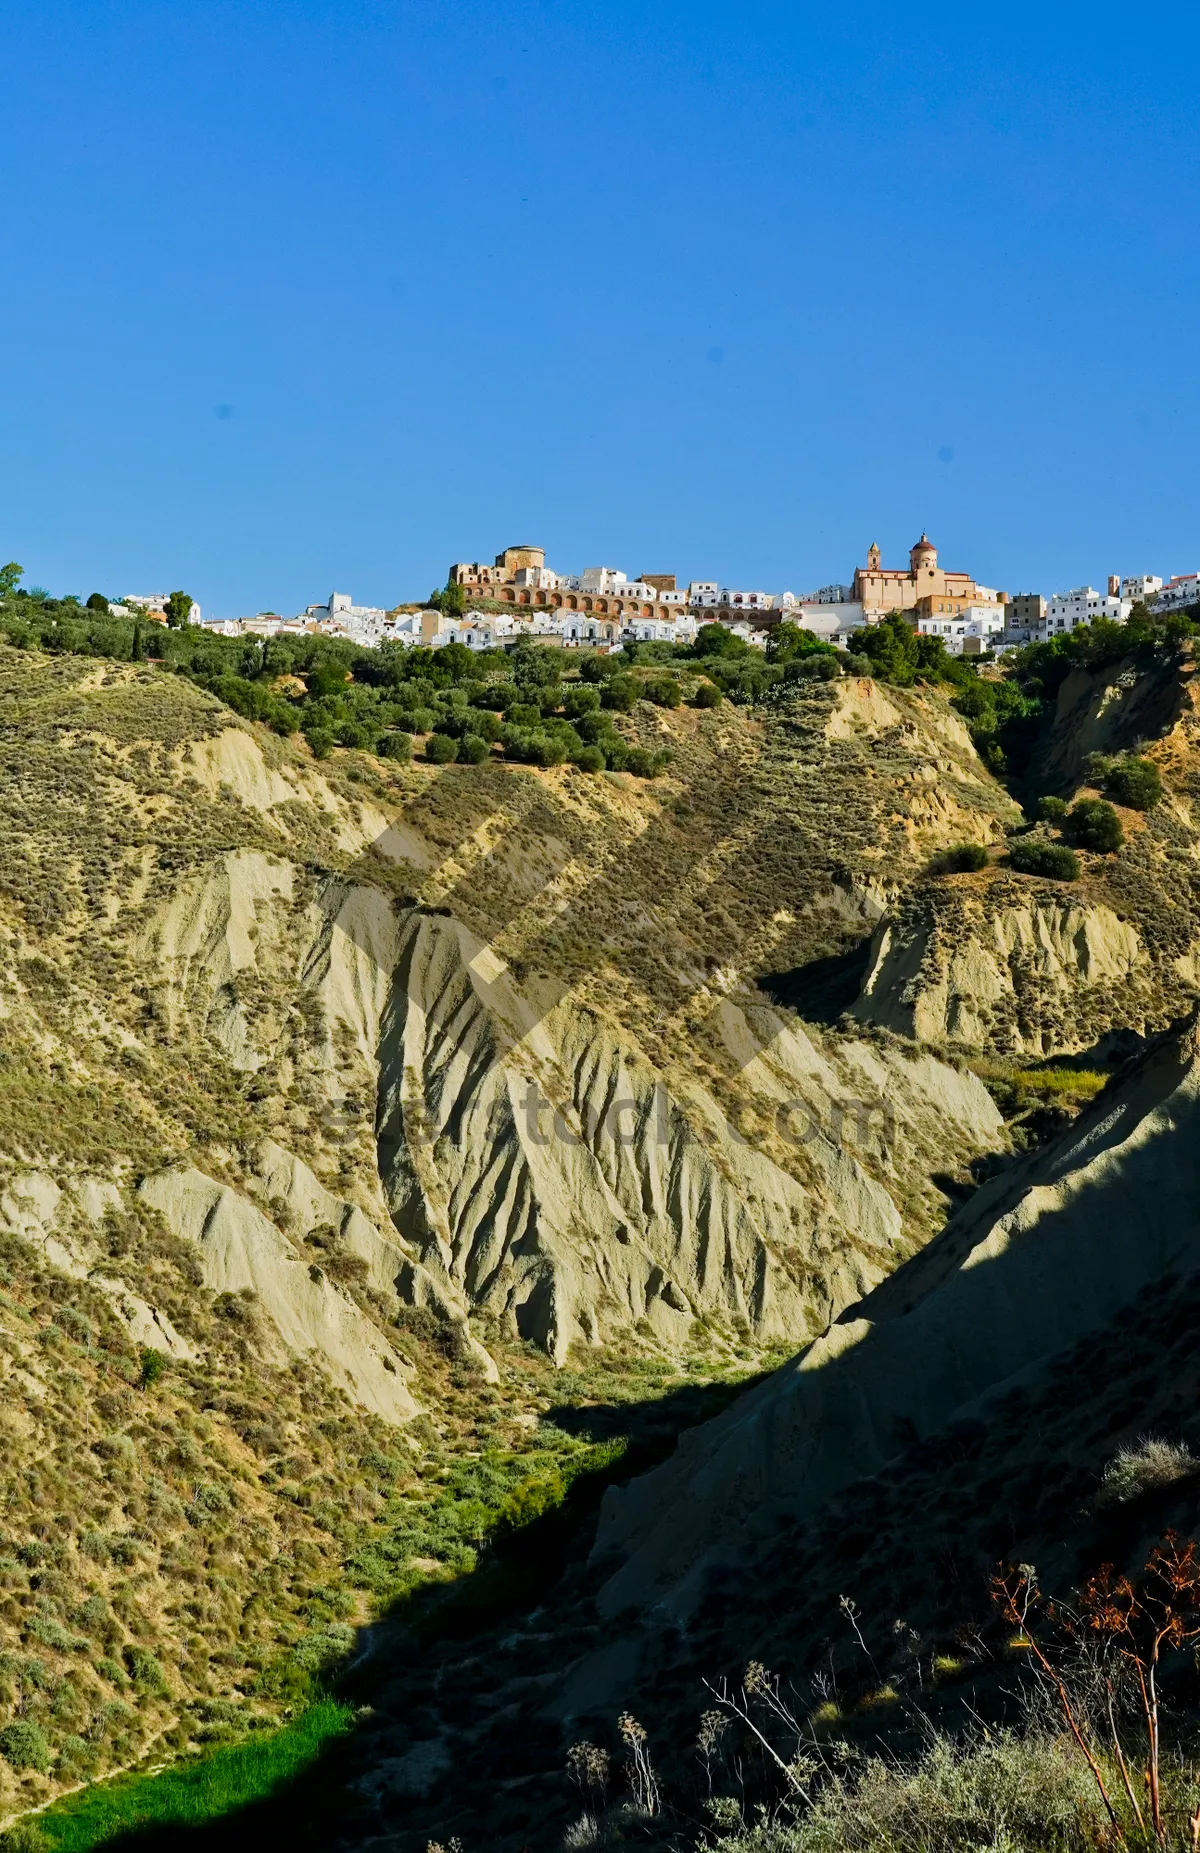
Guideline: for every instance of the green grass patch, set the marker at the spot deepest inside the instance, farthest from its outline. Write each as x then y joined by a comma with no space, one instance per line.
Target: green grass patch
1018,1091
1079,1083
193,1792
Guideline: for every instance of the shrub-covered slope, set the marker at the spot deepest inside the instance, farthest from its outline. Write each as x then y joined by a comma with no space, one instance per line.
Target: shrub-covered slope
1008,963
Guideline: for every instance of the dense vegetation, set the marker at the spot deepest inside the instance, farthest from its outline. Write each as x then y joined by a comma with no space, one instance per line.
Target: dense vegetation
464,705
519,700
188,1793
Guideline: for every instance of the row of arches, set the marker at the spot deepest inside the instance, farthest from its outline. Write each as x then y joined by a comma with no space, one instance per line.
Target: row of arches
601,604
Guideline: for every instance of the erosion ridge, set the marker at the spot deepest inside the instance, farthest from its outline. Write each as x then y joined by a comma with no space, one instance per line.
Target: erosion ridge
275,1221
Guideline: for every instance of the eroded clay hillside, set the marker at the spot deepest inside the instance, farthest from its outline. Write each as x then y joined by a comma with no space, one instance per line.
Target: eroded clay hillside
841,1522
1016,965
335,1097
511,1016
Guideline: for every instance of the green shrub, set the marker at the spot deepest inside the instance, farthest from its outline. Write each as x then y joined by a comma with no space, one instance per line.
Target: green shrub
153,1365
708,695
814,667
416,720
24,1745
496,695
452,721
1032,856
1051,810
1144,1466
484,723
663,691
1134,782
963,859
395,746
440,749
320,741
578,701
589,759
523,714
145,1670
619,694
1094,825
355,734
1002,1793
329,678
472,751
645,764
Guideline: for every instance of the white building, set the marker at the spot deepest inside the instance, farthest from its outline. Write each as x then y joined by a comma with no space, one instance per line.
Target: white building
1144,587
975,628
1183,589
152,601
582,627
537,578
750,632
732,599
478,630
603,579
1066,610
412,627
706,594
680,629
835,621
341,605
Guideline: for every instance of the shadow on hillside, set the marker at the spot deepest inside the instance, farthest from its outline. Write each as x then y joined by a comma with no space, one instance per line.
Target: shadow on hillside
394,1673
824,988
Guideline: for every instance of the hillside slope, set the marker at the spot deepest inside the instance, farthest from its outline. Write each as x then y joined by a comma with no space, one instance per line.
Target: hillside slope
1013,964
966,1413
276,1208
1056,1251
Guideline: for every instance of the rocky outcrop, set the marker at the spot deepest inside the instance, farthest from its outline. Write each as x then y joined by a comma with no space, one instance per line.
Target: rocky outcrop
1054,1251
544,1167
535,1164
298,1310
1020,974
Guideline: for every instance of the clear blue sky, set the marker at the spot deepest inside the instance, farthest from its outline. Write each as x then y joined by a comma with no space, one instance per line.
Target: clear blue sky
303,296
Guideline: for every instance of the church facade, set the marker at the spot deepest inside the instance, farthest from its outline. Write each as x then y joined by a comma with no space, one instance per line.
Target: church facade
926,589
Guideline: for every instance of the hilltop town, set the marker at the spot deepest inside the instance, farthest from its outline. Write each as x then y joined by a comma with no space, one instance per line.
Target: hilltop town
602,608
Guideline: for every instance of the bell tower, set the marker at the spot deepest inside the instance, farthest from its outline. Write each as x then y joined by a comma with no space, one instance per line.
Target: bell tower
873,557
